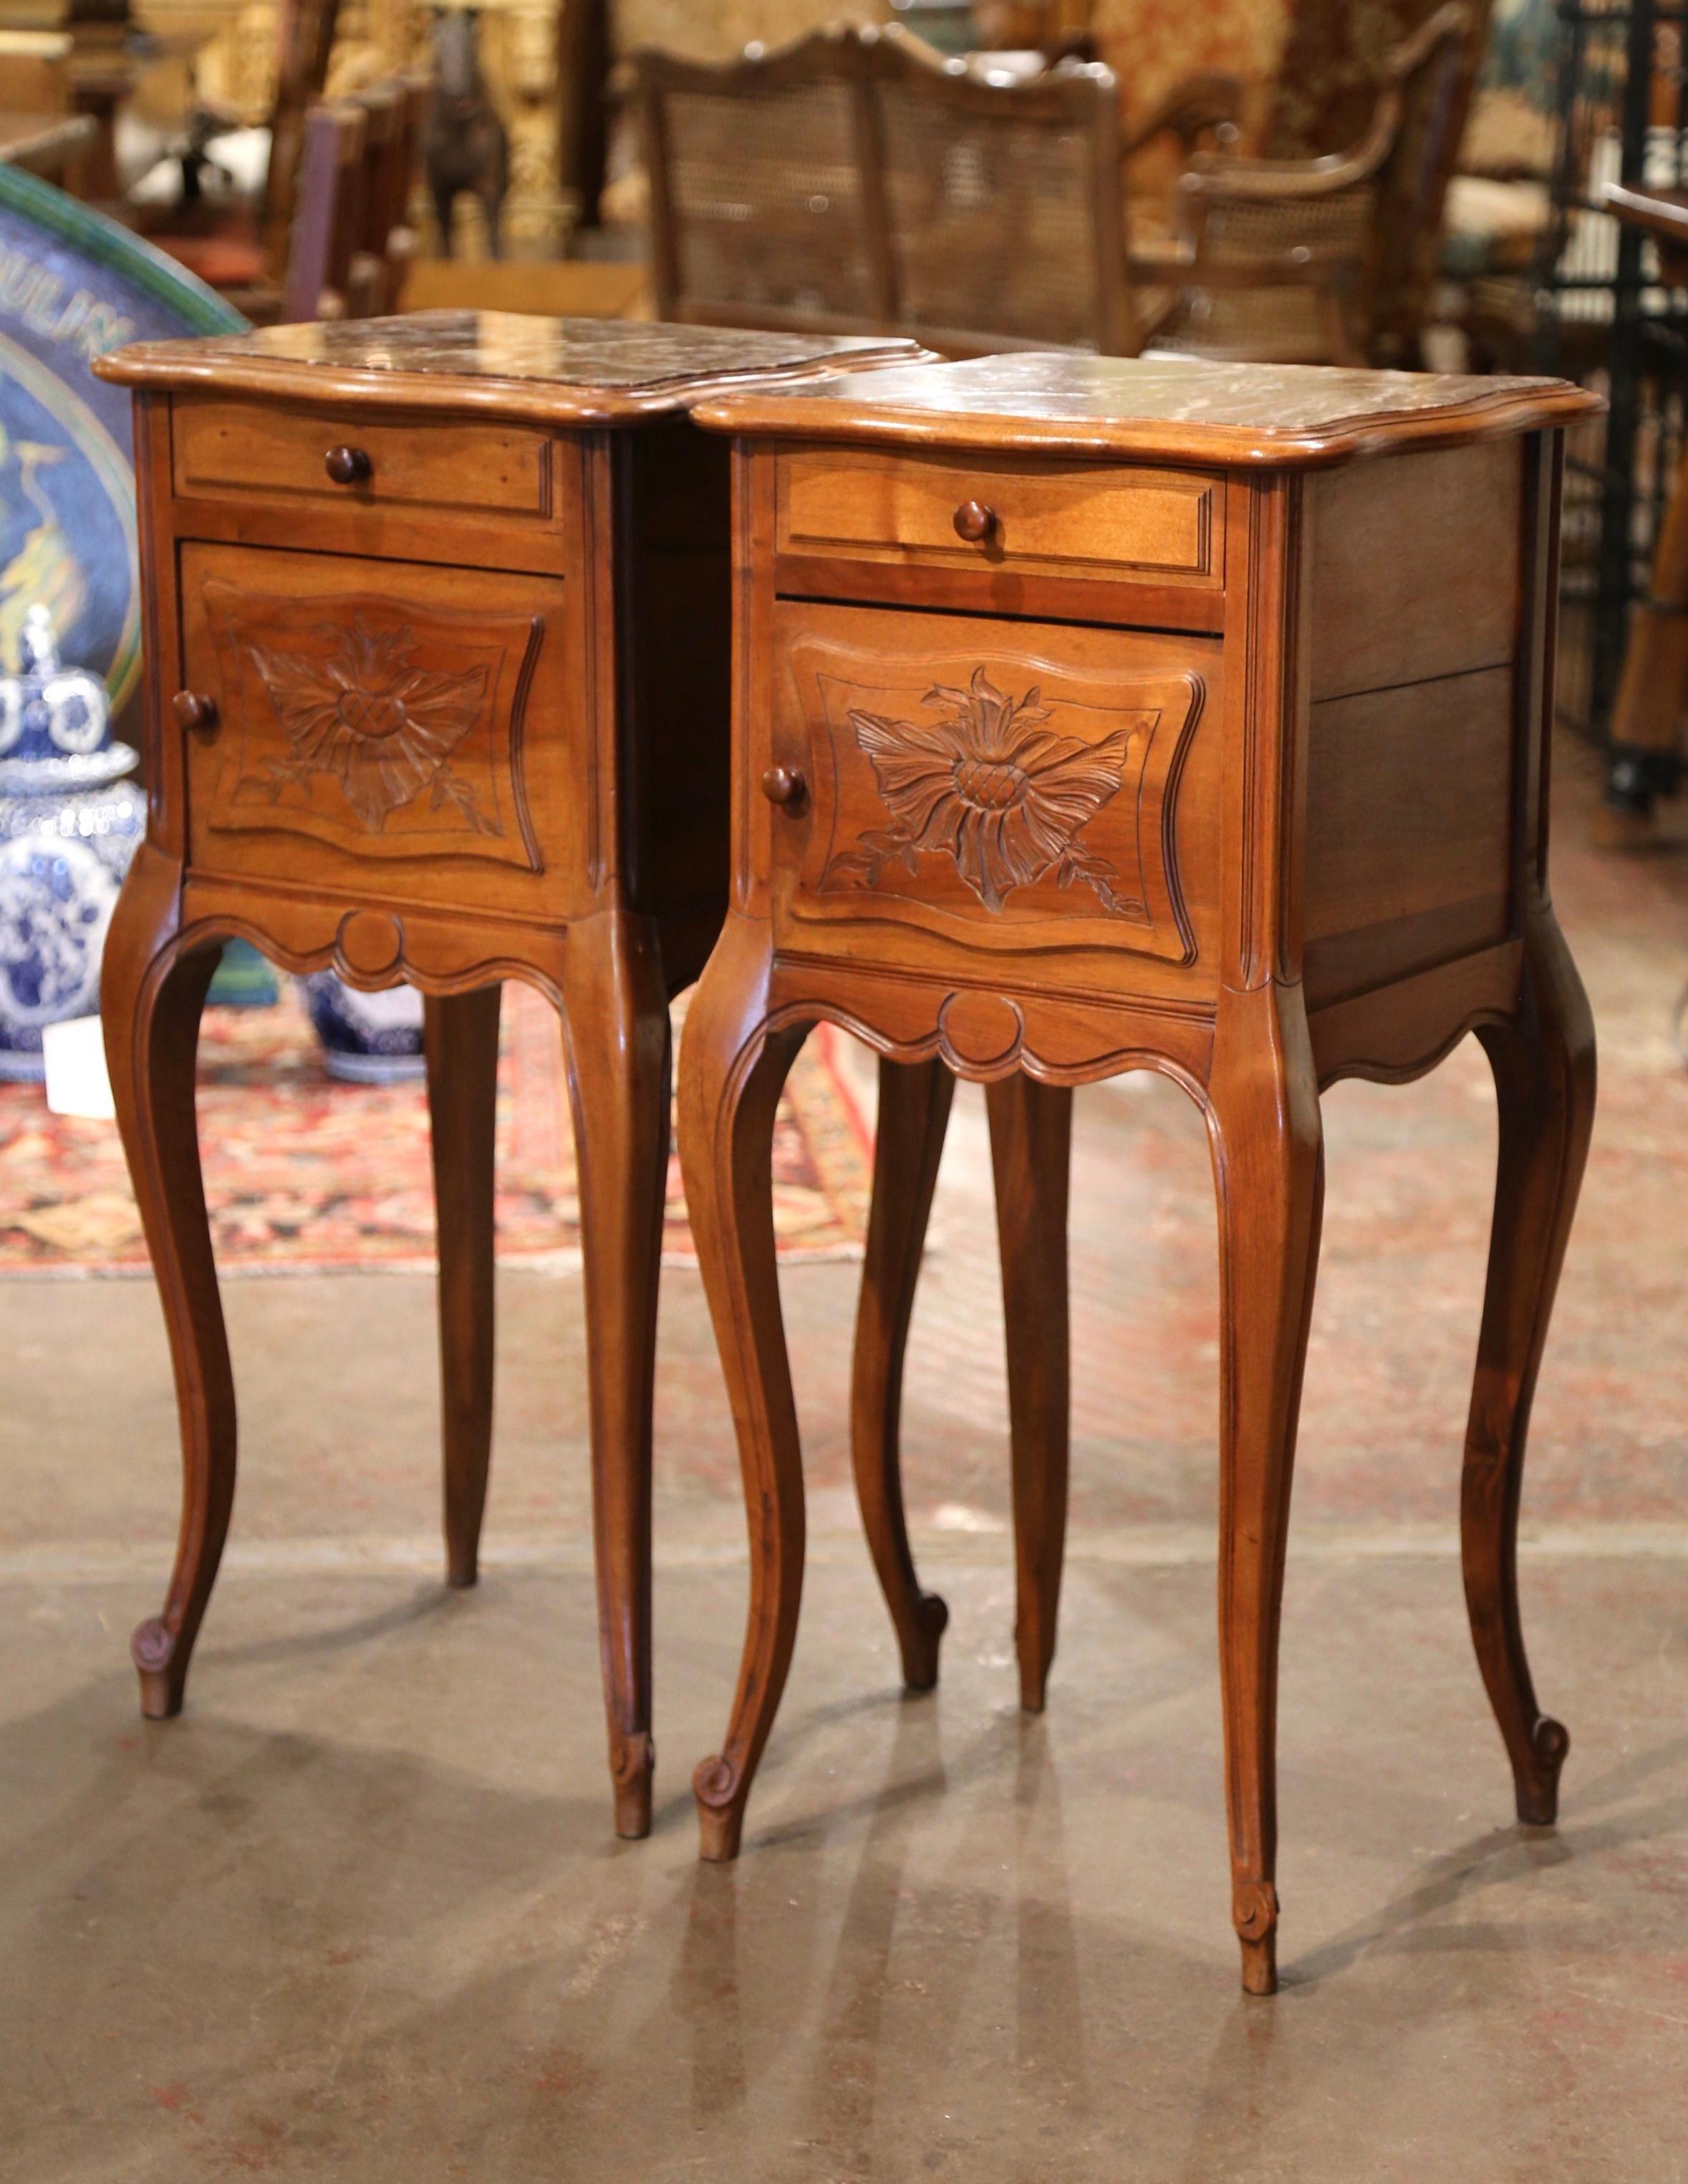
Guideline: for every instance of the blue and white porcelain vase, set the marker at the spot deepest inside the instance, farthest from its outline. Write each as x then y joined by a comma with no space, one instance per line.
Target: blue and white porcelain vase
69,819
367,1038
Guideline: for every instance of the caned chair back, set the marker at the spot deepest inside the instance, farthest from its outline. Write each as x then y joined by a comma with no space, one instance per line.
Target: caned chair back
760,206
1002,202
857,181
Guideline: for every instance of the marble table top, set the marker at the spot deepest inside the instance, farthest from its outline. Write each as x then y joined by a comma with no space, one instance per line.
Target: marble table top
572,371
606,372
1292,415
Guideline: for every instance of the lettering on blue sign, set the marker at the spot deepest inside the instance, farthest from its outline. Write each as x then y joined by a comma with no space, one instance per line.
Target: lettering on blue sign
35,294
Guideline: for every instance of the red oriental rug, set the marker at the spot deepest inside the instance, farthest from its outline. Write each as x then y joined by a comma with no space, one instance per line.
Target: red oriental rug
303,1173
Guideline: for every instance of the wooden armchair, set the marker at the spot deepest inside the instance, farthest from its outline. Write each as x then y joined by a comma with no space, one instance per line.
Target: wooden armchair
1328,258
857,181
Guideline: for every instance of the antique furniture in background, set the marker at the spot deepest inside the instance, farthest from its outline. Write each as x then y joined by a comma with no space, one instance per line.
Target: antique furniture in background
97,70
327,224
1331,258
855,181
1093,716
438,684
466,145
1646,759
519,44
350,244
1334,58
1589,303
583,81
242,251
393,112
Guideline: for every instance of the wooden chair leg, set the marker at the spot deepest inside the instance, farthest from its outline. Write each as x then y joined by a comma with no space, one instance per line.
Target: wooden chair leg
461,1037
731,1073
914,1110
1263,1119
151,1000
1031,1140
617,1034
1544,1066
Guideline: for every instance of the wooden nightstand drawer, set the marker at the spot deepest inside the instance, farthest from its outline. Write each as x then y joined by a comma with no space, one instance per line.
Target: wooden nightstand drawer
1050,519
223,448
364,725
1004,786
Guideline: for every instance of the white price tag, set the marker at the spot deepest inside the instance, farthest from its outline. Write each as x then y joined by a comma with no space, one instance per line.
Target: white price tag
77,1079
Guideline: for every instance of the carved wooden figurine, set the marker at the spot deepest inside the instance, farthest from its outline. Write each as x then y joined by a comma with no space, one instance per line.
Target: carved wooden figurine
1225,757
436,655
466,147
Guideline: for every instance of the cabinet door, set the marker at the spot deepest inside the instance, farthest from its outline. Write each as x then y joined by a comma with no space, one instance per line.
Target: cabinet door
386,727
1004,786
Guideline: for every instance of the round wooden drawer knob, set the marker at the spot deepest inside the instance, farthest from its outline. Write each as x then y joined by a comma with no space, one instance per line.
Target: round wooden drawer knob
347,466
975,522
783,785
194,709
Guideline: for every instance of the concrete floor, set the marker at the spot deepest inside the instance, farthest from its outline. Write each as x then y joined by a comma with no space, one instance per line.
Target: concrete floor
359,1914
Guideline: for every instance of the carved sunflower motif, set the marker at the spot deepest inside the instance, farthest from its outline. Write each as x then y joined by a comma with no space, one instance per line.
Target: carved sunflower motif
383,727
988,785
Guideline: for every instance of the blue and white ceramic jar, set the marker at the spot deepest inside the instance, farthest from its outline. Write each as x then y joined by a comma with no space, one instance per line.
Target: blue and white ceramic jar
367,1038
69,819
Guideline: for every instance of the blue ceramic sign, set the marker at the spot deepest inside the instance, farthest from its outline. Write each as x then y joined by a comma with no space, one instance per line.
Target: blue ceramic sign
73,285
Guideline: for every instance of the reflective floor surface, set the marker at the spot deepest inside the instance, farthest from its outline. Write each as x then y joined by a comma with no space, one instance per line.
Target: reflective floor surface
359,1913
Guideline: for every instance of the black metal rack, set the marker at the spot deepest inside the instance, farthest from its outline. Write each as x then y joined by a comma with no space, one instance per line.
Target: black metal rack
1601,316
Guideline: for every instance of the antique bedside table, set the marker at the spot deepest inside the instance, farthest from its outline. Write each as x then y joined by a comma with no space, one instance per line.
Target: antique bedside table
438,684
1093,716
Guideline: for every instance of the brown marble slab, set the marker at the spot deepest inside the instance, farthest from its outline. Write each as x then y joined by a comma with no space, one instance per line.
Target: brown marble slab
582,371
1059,401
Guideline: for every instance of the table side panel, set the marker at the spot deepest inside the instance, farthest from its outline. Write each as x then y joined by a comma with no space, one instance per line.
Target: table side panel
1416,566
1418,616
1409,829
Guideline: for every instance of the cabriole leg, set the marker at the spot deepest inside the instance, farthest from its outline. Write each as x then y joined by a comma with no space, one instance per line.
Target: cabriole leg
1031,1139
1544,1066
732,1070
460,1033
151,1000
616,1028
1263,1121
914,1110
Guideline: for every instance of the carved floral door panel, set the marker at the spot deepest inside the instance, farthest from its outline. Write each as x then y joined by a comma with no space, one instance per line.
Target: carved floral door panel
383,714
1004,786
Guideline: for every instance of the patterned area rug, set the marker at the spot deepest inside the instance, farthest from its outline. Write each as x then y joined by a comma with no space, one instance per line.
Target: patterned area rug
301,1172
